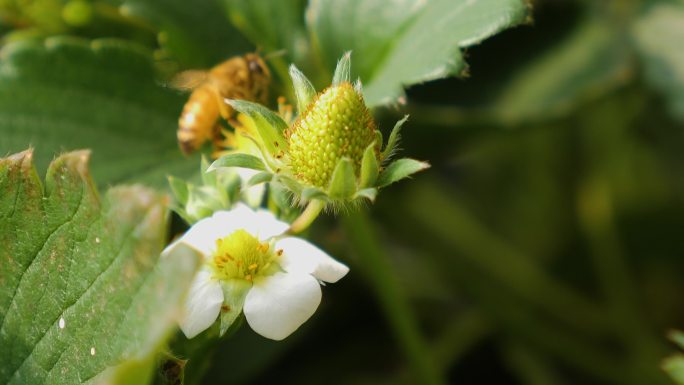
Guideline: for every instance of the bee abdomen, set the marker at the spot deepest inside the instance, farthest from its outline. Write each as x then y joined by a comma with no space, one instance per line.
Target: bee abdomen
198,119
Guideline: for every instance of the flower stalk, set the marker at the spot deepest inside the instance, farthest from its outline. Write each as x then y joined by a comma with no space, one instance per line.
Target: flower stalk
307,217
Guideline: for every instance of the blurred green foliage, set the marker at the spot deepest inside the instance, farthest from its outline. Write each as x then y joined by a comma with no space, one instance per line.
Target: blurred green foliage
544,245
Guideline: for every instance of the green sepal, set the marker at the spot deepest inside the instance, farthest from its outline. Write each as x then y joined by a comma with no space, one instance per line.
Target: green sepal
179,188
234,293
262,177
368,193
393,139
238,160
269,124
182,213
289,184
399,170
203,201
208,176
310,193
369,167
342,182
280,202
343,70
358,86
304,90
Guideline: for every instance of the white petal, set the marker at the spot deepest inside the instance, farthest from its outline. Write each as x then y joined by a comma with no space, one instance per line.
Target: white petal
278,304
202,235
302,256
202,305
245,218
268,225
260,223
179,247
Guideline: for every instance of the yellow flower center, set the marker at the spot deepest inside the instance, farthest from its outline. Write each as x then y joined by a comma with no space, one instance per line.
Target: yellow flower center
240,255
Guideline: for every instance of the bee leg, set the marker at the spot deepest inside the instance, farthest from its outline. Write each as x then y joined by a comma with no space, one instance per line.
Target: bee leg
235,123
220,141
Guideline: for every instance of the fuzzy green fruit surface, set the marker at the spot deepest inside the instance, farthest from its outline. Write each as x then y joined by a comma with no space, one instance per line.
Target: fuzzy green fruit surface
335,125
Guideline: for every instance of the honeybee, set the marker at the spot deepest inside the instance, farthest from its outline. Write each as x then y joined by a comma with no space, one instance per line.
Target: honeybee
241,77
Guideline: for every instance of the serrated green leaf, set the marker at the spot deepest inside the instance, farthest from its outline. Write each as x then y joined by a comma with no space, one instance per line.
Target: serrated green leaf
659,34
238,160
342,182
70,93
394,138
406,42
369,167
400,169
83,289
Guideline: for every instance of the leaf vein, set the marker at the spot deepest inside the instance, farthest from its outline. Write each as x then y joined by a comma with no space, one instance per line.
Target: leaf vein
23,273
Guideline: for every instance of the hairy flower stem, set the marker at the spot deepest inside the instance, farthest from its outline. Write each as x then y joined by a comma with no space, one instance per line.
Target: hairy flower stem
307,217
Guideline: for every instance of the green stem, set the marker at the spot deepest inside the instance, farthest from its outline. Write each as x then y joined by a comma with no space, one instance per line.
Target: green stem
378,270
307,216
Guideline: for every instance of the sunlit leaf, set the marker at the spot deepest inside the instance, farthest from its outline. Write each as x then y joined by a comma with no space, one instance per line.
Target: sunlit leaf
407,41
83,289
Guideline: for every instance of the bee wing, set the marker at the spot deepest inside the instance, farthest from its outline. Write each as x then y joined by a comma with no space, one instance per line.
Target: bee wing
189,80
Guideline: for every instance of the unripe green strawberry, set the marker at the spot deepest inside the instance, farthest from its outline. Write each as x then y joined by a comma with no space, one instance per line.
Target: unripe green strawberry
331,157
335,125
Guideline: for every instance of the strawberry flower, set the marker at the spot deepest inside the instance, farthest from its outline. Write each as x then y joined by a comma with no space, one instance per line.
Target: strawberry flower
249,265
